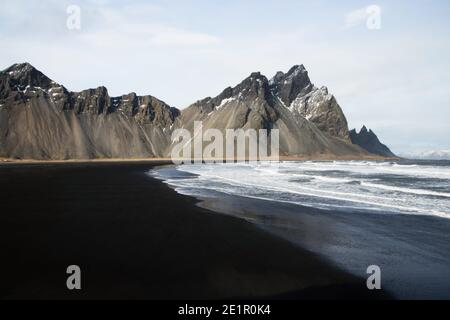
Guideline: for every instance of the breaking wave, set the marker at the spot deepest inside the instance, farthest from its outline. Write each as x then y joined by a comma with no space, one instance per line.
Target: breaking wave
382,187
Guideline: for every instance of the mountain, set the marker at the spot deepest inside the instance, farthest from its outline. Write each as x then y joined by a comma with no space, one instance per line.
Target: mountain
309,119
369,141
41,119
429,155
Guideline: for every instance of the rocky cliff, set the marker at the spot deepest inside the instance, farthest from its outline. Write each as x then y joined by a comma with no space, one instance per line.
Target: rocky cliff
41,119
309,119
369,141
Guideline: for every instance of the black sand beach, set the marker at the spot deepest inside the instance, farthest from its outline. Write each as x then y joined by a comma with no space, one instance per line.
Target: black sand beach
135,238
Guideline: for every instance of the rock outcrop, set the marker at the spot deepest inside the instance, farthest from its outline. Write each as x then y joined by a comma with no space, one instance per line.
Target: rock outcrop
295,90
369,141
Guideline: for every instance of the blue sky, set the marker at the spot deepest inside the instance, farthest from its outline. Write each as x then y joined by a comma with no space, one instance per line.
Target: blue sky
395,80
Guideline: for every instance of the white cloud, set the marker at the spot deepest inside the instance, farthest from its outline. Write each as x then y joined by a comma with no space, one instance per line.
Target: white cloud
102,24
356,17
131,26
141,36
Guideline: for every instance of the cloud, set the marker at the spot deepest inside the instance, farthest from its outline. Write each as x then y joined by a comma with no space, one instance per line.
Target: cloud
356,17
130,25
103,23
138,36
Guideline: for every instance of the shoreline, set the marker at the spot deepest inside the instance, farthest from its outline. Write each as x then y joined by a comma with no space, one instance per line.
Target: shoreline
407,245
154,243
153,160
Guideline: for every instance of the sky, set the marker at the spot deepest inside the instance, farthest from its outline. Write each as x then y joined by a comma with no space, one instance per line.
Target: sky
386,62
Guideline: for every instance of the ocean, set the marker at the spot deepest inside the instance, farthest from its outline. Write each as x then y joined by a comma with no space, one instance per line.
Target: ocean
394,214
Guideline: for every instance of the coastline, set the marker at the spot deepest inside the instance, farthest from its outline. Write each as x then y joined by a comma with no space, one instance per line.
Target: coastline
319,157
405,246
136,238
81,161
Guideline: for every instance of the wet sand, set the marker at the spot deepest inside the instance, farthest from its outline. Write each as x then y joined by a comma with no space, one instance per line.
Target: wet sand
411,250
135,238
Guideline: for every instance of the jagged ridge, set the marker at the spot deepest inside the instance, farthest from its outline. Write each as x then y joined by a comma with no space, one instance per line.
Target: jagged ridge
369,141
41,119
309,119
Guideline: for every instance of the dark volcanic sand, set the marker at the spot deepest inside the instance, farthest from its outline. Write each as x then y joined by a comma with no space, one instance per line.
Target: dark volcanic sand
134,237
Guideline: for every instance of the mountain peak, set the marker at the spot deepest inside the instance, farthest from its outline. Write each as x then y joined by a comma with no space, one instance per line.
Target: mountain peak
24,74
298,68
255,79
21,65
364,130
20,68
254,76
369,141
287,86
254,85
